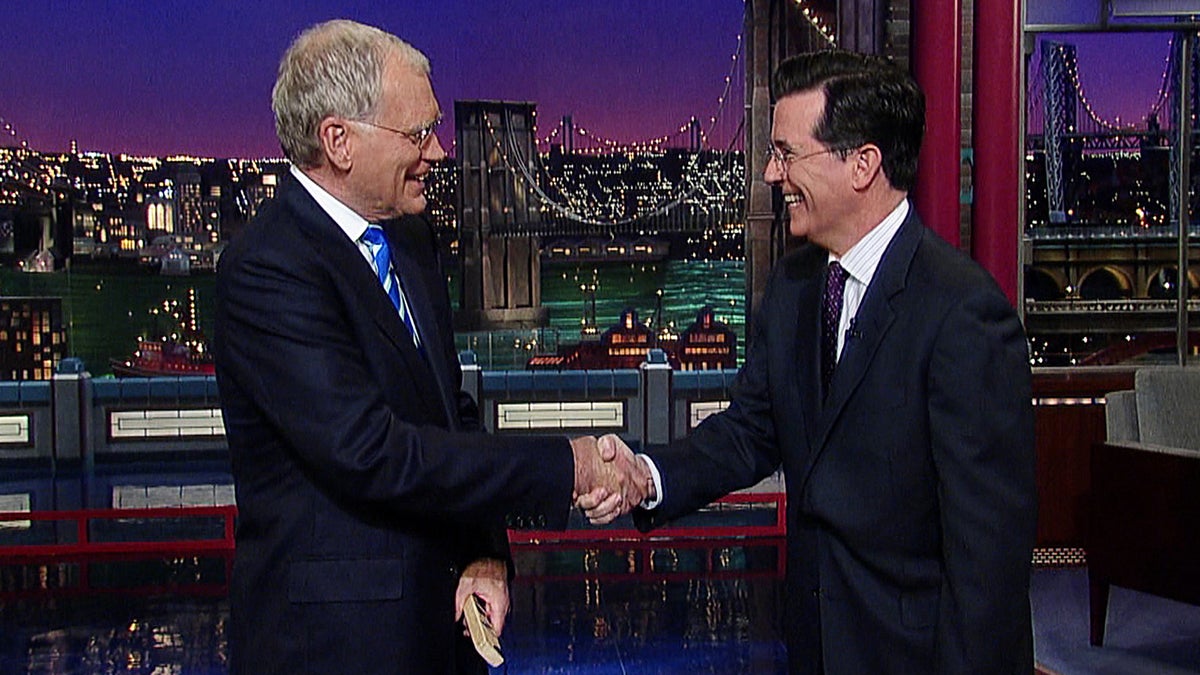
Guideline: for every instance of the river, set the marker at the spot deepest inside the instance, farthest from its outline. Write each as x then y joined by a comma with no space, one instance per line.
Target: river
106,309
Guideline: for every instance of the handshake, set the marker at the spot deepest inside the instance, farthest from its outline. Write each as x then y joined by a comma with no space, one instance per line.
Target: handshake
609,479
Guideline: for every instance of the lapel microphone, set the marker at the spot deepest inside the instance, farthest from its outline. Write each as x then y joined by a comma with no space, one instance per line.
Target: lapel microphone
852,333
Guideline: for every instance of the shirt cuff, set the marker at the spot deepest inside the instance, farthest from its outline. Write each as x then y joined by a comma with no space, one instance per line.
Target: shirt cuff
657,478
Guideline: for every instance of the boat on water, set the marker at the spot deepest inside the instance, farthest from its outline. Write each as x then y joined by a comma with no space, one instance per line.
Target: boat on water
183,352
707,344
157,358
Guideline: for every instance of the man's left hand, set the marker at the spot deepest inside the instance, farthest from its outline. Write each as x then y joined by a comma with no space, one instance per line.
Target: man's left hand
487,578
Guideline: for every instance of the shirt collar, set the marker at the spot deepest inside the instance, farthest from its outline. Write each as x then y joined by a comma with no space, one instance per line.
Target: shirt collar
863,258
351,223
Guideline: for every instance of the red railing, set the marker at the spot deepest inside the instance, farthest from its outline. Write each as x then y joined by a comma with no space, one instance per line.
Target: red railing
85,546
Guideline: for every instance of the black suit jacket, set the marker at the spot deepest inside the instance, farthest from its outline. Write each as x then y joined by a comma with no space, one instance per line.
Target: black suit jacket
363,482
911,496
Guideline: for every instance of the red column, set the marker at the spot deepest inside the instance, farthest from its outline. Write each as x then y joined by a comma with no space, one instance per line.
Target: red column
936,64
995,239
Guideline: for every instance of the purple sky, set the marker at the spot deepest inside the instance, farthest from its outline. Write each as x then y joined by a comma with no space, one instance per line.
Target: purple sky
1121,72
160,76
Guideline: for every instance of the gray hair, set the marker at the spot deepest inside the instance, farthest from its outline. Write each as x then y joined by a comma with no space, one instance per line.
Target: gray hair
332,68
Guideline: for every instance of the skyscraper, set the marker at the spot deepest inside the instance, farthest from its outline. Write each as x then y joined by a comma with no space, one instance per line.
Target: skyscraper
32,337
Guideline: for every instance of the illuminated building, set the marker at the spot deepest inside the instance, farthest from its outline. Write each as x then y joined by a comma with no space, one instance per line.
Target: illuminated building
708,344
210,216
32,337
189,201
160,215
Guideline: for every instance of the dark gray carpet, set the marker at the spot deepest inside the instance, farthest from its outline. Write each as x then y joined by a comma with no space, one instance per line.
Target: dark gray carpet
1145,634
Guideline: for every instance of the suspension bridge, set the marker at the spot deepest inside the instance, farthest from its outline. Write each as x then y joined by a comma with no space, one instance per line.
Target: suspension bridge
581,183
1065,126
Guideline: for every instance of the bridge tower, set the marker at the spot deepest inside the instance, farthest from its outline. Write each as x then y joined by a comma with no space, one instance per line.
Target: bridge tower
774,30
568,135
501,270
1061,101
1184,151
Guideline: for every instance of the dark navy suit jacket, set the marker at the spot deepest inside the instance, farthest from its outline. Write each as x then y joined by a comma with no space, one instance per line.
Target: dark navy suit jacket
363,482
911,499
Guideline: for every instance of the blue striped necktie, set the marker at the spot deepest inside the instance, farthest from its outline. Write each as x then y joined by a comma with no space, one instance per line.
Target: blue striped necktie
377,242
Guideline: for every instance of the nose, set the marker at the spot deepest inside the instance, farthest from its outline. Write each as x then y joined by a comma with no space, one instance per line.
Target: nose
773,172
435,152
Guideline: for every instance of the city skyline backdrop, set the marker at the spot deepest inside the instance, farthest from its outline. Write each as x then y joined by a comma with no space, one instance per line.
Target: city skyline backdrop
160,78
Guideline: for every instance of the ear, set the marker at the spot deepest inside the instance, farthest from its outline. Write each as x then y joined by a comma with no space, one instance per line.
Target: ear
336,142
867,166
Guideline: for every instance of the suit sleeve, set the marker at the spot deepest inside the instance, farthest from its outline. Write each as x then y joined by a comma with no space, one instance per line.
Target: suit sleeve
729,450
981,420
286,339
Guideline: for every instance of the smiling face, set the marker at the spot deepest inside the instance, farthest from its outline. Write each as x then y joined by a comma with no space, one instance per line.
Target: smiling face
816,181
389,168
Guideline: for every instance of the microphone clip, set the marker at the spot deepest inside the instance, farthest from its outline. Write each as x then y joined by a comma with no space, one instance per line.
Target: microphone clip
852,332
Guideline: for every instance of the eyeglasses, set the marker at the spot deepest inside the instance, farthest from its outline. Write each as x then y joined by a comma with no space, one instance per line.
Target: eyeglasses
422,136
787,157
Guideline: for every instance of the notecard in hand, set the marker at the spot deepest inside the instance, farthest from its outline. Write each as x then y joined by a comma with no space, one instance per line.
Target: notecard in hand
487,643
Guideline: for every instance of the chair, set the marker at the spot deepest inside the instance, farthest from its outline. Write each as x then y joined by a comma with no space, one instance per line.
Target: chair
1145,519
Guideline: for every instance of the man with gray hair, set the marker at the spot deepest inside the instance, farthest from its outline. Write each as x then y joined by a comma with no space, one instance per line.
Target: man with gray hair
371,508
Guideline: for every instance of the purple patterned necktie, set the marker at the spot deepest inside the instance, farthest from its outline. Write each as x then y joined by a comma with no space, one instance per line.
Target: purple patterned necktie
831,315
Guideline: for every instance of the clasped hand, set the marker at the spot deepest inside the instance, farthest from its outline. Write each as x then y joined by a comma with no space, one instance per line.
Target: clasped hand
609,479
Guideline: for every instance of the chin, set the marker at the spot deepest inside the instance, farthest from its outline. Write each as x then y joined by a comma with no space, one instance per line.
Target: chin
797,227
413,206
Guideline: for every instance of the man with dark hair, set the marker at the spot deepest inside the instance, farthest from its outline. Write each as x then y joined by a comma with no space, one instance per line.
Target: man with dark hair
888,375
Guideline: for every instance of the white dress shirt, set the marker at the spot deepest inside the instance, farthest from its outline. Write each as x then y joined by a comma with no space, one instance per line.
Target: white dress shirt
860,262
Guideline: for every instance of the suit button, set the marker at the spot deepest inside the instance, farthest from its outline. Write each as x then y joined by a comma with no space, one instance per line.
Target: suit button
454,571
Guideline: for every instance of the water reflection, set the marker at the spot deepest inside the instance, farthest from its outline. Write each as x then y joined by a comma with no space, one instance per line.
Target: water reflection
645,607
89,634
698,625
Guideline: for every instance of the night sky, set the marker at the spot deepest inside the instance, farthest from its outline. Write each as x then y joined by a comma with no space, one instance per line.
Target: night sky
161,76
158,77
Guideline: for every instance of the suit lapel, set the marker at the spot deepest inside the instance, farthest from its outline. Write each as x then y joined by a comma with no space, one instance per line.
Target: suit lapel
875,316
346,259
807,330
416,284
